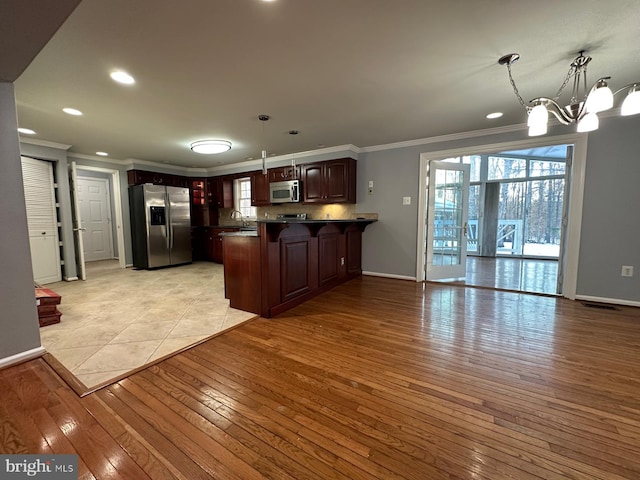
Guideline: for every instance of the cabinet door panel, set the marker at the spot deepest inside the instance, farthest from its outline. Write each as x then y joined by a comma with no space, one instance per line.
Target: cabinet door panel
294,267
313,183
354,252
337,178
328,261
260,189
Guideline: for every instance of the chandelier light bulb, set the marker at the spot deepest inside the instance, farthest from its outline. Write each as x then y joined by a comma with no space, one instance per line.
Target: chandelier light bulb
631,104
600,98
589,123
538,116
537,130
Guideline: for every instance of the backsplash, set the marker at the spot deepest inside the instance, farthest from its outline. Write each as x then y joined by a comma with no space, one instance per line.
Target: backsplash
335,211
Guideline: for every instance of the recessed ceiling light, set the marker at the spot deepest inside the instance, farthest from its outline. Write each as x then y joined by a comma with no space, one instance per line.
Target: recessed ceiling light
26,131
102,154
208,147
72,111
123,77
494,115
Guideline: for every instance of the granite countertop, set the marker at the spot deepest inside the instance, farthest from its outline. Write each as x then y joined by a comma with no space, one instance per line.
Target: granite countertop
318,221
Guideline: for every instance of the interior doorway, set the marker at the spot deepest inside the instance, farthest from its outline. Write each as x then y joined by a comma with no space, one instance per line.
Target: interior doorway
520,207
103,210
94,201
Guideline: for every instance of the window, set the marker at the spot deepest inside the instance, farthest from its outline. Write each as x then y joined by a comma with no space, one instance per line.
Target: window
242,200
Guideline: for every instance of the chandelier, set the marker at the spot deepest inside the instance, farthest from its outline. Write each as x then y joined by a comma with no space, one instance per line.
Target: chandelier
584,105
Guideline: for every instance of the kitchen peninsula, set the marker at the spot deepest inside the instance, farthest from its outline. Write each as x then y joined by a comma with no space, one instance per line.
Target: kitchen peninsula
286,262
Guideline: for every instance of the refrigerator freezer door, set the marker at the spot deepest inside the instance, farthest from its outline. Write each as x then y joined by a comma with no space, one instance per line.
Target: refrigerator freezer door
179,225
158,240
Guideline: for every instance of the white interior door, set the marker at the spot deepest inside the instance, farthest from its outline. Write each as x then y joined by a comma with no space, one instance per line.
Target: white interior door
94,204
77,222
42,220
447,213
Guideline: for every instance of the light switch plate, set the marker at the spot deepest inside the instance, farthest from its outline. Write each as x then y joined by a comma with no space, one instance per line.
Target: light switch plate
406,200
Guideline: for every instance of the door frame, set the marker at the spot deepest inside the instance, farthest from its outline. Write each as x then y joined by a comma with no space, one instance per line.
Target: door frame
107,183
117,206
576,177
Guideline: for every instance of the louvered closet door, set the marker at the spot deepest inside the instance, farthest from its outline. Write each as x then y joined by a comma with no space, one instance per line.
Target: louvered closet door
42,220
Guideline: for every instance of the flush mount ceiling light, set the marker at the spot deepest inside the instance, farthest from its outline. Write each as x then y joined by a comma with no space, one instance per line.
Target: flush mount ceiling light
209,147
102,154
584,104
493,115
26,131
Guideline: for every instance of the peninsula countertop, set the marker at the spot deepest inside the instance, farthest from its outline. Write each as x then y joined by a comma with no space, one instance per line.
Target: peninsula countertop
283,222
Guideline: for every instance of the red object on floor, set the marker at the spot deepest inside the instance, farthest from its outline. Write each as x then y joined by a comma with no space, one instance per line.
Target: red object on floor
47,301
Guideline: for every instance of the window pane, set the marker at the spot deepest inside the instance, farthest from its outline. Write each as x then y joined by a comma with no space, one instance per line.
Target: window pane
504,168
539,168
474,161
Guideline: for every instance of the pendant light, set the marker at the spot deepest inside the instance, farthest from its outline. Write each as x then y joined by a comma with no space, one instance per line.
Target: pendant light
263,119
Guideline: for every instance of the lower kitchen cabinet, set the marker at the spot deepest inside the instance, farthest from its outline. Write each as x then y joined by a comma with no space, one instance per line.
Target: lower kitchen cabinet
209,243
288,263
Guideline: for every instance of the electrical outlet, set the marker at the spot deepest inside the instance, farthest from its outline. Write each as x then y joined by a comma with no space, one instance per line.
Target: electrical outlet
406,200
341,260
627,271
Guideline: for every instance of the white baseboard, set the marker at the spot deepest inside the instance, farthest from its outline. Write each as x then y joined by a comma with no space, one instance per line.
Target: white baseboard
615,301
70,279
22,357
389,275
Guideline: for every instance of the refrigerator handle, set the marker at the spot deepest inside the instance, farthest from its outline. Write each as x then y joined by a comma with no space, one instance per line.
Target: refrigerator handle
168,224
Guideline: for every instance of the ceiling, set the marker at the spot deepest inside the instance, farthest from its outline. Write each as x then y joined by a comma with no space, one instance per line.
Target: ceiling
360,72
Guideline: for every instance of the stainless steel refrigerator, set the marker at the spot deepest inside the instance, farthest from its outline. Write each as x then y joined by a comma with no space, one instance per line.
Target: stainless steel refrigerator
160,225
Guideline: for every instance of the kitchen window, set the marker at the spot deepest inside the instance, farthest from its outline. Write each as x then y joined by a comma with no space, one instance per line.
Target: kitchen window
242,200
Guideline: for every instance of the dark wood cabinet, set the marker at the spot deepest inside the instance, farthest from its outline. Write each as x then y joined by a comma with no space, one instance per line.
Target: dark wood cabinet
213,242
291,262
329,255
295,274
260,189
199,202
140,177
220,191
280,174
333,181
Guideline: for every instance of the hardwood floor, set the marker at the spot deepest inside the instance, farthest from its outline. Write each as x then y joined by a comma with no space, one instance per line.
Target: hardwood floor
376,379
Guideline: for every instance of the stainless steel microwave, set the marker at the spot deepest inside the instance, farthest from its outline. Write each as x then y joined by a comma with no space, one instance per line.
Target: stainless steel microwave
284,192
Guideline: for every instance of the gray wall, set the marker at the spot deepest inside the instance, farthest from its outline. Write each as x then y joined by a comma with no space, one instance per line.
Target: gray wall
18,317
611,216
390,245
610,223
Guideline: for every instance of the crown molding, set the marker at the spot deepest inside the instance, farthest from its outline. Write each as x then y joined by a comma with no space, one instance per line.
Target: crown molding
44,143
446,138
96,158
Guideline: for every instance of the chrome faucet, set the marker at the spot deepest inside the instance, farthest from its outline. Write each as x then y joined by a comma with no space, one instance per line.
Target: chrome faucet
233,216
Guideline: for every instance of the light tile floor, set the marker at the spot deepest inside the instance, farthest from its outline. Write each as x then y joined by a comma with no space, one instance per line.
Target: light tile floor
120,319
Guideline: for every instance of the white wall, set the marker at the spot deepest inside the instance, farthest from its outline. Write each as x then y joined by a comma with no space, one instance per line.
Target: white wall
20,336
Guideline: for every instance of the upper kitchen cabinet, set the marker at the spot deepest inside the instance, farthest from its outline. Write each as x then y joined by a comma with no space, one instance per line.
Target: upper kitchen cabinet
280,174
333,181
199,202
140,177
220,191
260,189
